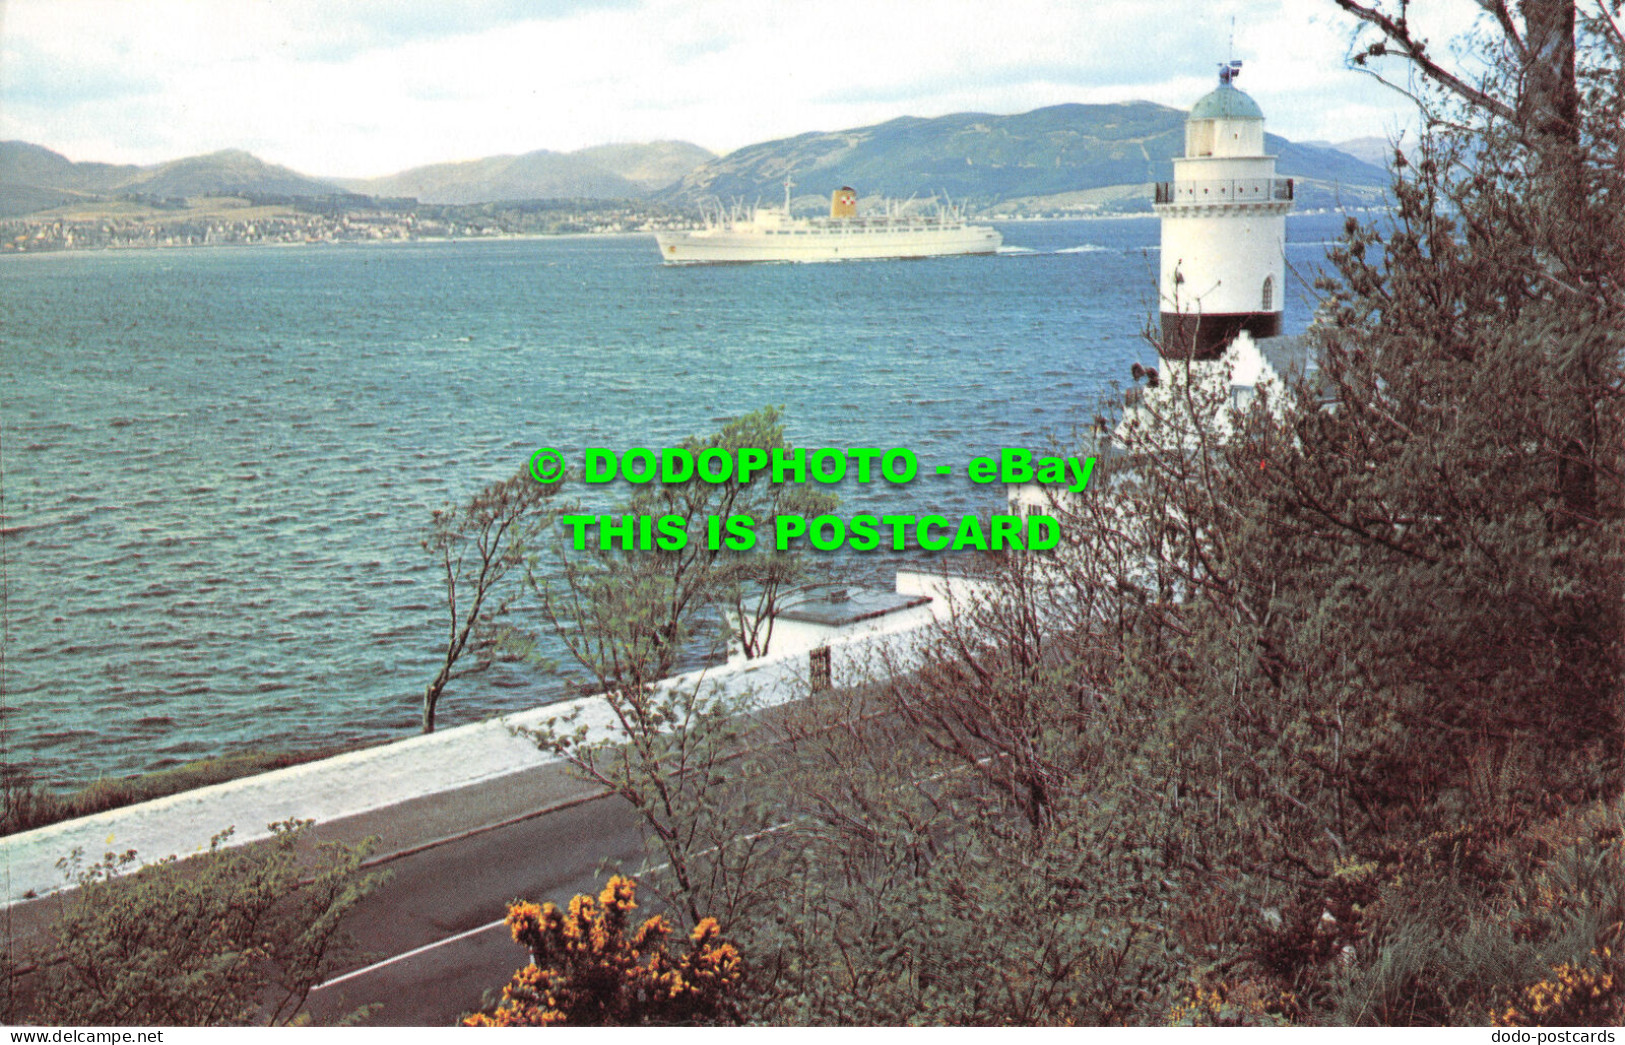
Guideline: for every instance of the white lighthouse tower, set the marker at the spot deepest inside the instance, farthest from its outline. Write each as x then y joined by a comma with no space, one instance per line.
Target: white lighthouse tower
1223,229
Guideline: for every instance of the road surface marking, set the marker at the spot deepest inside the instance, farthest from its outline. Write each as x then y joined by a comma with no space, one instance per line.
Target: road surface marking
375,966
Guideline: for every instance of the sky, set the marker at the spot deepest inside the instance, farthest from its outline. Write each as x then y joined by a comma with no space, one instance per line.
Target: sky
358,88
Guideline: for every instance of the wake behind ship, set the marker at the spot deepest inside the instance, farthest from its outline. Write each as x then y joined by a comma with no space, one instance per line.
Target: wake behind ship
769,234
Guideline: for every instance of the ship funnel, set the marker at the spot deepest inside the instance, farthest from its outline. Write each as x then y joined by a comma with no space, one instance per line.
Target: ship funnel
843,203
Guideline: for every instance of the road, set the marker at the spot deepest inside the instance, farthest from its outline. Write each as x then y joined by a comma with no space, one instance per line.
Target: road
434,932
431,939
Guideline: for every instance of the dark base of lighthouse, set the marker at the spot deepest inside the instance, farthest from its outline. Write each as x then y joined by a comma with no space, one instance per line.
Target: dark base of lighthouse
1187,335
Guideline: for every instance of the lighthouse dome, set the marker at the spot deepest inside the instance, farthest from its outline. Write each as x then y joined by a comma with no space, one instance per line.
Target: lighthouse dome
1225,102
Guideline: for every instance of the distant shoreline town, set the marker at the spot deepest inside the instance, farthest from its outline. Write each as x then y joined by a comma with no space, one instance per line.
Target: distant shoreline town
237,221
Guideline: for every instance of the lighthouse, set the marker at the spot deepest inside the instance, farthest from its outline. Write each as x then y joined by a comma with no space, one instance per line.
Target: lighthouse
1222,283
1223,229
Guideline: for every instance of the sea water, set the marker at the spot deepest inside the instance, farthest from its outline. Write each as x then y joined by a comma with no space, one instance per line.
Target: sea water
219,464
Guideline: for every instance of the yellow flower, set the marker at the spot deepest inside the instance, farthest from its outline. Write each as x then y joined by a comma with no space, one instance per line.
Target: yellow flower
706,929
524,918
651,932
619,894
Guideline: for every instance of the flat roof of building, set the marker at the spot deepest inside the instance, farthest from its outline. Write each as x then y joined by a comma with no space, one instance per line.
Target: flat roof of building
837,607
1289,352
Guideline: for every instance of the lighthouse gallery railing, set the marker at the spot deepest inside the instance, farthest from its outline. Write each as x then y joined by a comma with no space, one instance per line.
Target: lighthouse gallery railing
1234,190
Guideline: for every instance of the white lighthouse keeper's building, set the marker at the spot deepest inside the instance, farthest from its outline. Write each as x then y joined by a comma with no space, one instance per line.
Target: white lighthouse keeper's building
1223,229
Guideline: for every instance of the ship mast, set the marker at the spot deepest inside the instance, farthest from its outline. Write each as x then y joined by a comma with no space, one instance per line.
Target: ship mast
787,184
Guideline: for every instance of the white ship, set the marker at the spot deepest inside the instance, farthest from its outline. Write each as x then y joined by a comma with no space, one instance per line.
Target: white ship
770,234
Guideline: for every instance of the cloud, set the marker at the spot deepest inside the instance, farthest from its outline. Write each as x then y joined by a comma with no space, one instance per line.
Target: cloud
336,32
52,83
369,88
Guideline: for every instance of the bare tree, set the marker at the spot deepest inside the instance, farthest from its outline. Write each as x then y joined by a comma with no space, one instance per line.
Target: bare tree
478,545
628,617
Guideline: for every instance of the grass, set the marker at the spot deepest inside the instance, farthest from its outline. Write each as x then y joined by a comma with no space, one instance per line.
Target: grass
26,804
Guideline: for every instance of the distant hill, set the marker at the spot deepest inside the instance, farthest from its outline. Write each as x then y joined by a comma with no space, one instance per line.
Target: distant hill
25,164
1379,152
34,178
535,175
231,172
984,159
651,165
625,171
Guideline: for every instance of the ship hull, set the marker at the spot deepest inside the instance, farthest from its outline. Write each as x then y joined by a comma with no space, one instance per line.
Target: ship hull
721,245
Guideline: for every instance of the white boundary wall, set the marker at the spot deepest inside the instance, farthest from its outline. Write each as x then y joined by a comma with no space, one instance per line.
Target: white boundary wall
378,777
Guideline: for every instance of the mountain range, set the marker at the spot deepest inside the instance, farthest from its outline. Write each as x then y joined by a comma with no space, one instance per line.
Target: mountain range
34,178
986,160
1065,152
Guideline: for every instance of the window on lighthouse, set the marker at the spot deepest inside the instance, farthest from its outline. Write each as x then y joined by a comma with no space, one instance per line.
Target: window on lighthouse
1269,294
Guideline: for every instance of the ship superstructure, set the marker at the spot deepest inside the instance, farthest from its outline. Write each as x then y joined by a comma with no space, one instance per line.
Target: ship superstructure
772,234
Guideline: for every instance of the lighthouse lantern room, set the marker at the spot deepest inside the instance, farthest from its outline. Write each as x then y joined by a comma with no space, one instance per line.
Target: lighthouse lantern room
1223,229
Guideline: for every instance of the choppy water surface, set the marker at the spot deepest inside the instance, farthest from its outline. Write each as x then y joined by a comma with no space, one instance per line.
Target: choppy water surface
219,463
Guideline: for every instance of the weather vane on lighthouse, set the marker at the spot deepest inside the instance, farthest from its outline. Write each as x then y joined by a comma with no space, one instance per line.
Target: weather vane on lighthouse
1231,67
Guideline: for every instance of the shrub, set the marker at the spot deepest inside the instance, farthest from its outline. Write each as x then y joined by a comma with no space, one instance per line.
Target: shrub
232,937
586,970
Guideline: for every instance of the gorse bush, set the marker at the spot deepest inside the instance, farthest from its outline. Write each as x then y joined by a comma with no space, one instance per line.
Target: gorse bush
590,968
